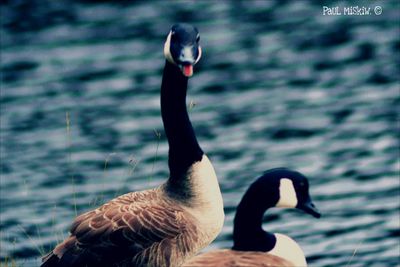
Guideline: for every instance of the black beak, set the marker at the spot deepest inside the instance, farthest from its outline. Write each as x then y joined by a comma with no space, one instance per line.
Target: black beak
309,208
187,55
187,59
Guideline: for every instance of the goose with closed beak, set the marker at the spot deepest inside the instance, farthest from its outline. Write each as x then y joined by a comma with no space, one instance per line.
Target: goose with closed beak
253,246
166,225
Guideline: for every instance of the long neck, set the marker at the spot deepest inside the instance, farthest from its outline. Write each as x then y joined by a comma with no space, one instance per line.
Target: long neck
248,234
184,149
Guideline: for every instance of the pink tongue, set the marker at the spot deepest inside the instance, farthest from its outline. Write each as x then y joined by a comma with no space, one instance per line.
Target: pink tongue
187,70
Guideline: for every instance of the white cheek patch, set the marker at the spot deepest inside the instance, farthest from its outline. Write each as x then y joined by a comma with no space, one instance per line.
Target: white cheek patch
167,51
199,56
287,194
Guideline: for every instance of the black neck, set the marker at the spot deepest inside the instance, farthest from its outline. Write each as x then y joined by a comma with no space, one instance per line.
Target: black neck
184,149
248,234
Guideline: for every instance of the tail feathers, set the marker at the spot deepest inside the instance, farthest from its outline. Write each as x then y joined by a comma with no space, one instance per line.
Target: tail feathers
50,260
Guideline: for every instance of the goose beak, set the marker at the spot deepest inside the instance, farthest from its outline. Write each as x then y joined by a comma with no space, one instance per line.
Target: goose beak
187,70
189,56
309,207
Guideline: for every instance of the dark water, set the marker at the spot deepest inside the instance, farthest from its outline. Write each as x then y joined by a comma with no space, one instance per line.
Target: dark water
279,84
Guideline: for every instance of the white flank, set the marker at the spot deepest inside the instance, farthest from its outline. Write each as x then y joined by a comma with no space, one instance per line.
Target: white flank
287,194
288,249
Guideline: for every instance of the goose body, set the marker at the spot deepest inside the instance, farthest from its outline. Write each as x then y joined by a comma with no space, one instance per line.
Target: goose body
254,247
166,225
230,258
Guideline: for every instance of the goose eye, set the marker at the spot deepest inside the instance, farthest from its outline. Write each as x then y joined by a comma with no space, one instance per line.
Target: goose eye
173,35
198,38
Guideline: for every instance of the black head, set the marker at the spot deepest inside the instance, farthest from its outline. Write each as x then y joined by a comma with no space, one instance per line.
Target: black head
287,188
182,47
279,187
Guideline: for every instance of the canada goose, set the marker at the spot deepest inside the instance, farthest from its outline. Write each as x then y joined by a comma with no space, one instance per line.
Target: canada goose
166,225
254,247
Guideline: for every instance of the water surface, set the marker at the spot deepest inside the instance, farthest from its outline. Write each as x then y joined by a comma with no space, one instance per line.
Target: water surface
279,84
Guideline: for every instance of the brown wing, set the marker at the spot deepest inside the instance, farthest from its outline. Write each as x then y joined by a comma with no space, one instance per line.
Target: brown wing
232,258
138,227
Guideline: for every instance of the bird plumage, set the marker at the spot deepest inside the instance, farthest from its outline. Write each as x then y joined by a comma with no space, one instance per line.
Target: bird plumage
142,224
159,227
254,247
233,258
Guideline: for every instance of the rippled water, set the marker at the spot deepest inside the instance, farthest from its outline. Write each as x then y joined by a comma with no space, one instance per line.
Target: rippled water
279,84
